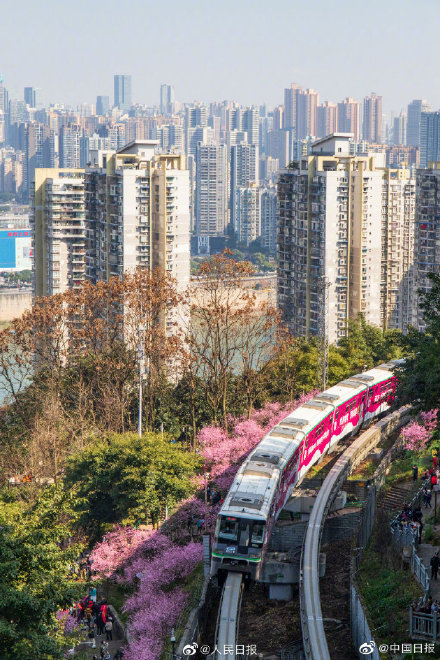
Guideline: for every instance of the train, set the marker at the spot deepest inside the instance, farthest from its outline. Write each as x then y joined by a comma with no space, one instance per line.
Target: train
267,477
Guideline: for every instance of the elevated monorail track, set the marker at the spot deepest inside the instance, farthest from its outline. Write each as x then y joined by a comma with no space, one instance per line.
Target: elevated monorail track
228,617
314,638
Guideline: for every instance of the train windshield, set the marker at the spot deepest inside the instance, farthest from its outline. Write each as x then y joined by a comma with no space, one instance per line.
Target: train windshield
245,533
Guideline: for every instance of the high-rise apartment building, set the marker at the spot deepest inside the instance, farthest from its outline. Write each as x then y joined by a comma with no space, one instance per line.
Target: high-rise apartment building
349,117
306,107
69,146
250,124
415,109
167,100
57,218
39,150
122,92
327,119
372,124
268,218
244,170
211,203
248,213
137,213
429,138
398,225
427,235
30,97
332,228
102,105
399,129
300,111
291,96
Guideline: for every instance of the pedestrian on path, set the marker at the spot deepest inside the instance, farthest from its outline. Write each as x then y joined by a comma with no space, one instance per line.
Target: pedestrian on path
108,629
435,562
415,472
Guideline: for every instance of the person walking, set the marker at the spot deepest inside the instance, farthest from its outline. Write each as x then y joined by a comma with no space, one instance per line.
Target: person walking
433,480
415,472
100,624
435,562
109,629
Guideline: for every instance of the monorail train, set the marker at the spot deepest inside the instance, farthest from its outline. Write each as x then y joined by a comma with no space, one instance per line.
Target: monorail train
267,477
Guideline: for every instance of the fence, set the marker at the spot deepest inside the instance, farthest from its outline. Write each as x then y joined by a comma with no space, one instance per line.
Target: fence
424,626
408,537
360,630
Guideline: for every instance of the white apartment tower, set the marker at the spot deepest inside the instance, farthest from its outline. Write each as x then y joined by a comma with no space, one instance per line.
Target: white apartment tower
244,170
59,235
343,220
248,213
137,213
211,207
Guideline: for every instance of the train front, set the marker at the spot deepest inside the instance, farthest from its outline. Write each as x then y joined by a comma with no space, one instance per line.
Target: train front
238,544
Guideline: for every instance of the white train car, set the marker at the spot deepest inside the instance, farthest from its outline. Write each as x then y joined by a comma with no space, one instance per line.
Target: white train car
267,477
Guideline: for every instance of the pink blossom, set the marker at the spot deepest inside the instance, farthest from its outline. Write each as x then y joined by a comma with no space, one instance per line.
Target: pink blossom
416,435
68,621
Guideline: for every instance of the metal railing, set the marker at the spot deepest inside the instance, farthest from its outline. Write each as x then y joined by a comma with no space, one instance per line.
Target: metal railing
424,626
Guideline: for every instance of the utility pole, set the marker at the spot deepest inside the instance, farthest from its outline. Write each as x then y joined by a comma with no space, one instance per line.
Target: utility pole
141,354
323,286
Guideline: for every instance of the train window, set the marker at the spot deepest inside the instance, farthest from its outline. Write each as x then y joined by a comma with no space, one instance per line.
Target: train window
244,535
257,535
228,529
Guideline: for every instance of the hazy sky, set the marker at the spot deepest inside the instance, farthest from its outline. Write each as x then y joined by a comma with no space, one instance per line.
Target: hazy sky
245,50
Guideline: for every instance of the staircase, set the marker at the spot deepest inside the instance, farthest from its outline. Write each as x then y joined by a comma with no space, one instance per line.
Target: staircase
394,499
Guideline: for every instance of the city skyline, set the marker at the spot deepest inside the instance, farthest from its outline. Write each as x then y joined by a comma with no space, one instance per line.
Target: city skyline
253,53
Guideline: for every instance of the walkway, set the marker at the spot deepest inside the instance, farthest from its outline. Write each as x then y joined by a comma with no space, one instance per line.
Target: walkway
425,552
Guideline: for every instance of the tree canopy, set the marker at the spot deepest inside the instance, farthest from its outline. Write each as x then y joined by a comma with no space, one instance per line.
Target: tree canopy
124,478
36,557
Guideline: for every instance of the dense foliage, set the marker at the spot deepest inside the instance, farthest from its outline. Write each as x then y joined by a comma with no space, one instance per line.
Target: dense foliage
36,557
130,479
419,378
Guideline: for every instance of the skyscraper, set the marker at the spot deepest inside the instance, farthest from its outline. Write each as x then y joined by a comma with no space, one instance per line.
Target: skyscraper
102,105
307,103
372,124
343,220
244,170
211,189
399,129
427,235
268,218
137,213
349,117
167,99
248,213
415,109
122,92
429,138
327,119
291,95
30,97
57,217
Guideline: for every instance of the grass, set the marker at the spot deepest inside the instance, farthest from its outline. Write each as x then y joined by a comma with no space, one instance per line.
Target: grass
193,586
387,593
401,468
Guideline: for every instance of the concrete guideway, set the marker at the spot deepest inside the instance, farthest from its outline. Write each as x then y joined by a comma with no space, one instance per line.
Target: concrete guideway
314,638
227,623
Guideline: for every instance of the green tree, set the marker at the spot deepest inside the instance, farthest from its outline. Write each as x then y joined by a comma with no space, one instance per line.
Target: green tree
124,478
366,345
419,377
36,558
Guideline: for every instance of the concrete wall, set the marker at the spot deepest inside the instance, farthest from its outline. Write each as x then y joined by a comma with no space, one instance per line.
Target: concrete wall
13,303
360,632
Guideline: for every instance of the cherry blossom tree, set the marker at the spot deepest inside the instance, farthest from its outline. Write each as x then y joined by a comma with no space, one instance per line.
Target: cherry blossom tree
416,435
